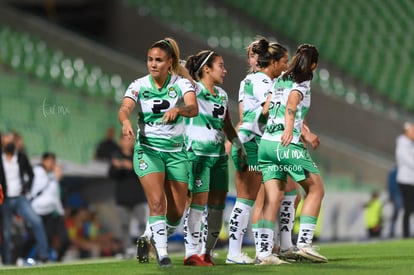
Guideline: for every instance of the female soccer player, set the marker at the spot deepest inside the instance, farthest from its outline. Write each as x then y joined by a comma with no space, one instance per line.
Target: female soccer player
163,98
272,59
205,139
281,153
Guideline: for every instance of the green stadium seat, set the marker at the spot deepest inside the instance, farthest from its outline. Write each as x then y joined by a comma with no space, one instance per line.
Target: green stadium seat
37,85
201,18
357,36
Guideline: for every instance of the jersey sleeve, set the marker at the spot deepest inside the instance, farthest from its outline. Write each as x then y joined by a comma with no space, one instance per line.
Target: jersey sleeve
185,86
198,88
262,89
241,91
133,91
302,88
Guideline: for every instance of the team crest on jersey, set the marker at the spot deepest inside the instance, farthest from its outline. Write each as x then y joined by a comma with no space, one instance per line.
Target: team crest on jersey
172,92
198,182
135,93
142,165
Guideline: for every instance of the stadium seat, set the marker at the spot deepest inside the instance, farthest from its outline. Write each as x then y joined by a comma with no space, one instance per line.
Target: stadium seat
359,37
199,17
47,96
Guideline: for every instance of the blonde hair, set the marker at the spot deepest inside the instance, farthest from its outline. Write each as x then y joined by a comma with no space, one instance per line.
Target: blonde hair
170,46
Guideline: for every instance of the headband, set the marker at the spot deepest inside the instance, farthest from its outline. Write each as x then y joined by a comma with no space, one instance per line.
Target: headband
165,42
205,61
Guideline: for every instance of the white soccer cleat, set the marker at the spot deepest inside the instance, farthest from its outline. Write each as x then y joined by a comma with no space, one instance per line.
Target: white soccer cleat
288,254
310,252
270,260
243,258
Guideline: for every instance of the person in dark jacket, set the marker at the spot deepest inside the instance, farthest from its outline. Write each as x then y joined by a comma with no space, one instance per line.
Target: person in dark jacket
16,178
107,146
129,195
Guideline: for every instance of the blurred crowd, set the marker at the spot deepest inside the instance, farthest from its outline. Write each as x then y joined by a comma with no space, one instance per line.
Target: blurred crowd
40,223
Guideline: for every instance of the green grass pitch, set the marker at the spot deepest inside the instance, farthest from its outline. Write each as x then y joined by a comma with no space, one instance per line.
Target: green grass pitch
382,257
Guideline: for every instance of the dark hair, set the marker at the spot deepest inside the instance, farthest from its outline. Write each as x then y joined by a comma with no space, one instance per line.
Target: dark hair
267,52
195,63
47,155
170,46
250,48
300,68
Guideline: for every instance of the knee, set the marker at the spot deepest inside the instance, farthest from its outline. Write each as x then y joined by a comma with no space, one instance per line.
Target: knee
316,188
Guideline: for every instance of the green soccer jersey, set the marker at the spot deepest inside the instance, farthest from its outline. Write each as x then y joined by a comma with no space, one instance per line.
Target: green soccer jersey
255,89
152,103
204,133
276,122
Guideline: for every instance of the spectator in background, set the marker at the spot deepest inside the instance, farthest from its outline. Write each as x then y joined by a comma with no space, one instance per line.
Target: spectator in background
89,238
46,202
83,232
129,195
404,154
373,216
395,198
107,147
18,140
16,177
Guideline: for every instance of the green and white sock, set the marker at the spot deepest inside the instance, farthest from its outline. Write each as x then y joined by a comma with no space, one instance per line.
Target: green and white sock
239,220
171,226
212,231
159,234
266,241
192,229
286,220
257,231
306,230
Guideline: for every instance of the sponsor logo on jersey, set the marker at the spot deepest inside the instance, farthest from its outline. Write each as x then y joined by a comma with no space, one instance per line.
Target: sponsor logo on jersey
172,92
279,89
